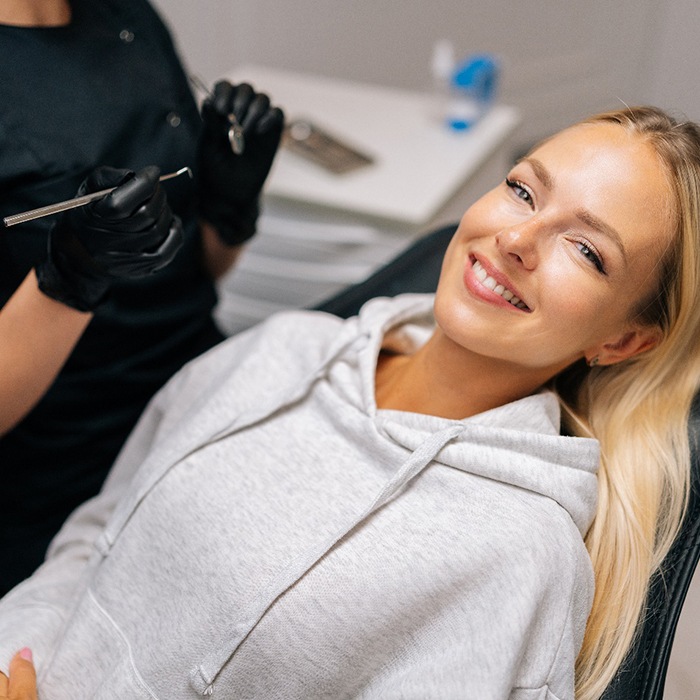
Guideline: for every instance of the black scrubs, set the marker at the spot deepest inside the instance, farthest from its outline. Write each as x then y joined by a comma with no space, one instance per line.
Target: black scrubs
108,89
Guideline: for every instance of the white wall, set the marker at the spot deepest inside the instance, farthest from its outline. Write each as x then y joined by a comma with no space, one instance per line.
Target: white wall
631,50
672,81
562,59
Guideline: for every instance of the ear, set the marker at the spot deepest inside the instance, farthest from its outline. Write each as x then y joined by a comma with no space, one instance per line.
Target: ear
631,343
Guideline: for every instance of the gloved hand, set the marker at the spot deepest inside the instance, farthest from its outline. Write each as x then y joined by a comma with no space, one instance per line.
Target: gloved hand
230,184
129,233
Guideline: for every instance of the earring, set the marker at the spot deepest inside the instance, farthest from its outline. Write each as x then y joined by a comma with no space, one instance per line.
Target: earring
593,361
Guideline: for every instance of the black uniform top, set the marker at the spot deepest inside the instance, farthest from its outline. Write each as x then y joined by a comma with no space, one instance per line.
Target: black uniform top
106,90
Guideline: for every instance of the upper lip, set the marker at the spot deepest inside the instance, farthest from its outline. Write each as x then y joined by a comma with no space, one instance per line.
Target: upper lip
499,276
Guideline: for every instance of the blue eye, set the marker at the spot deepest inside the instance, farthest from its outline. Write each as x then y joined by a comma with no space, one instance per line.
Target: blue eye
520,191
590,254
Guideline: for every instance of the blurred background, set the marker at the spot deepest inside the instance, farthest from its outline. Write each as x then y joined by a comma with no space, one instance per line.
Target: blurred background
560,60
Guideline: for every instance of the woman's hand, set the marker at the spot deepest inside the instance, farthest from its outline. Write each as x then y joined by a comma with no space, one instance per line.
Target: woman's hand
21,685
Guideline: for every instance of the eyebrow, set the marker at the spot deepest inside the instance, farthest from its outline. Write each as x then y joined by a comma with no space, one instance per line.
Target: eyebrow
583,215
599,225
543,175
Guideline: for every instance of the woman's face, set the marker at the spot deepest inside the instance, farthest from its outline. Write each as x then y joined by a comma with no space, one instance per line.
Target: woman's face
551,265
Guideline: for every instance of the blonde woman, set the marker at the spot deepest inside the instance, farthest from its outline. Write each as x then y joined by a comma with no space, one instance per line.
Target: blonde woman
390,506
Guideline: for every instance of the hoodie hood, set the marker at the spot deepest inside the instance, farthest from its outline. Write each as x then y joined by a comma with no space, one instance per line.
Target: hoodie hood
560,468
518,443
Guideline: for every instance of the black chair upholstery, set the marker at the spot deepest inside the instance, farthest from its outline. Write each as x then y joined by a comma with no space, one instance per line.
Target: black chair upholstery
415,270
642,675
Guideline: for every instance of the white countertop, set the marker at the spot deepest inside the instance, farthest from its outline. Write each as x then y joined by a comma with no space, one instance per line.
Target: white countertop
419,164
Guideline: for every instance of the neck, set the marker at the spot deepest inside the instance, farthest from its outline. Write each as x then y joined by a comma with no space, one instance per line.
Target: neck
35,13
443,379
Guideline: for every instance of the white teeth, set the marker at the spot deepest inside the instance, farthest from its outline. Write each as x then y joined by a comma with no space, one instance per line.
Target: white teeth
490,283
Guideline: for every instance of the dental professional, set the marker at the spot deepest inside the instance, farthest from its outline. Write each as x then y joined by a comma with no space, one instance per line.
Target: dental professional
462,494
101,305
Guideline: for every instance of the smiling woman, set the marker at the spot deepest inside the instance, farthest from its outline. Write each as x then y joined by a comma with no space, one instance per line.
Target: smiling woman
463,494
552,264
584,234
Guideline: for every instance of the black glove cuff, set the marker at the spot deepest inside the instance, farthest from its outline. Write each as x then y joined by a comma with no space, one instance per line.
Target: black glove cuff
82,289
234,226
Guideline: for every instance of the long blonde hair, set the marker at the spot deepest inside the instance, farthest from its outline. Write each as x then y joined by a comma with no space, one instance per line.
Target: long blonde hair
639,411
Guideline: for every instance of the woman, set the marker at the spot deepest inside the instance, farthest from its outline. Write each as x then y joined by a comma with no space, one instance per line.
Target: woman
86,84
388,506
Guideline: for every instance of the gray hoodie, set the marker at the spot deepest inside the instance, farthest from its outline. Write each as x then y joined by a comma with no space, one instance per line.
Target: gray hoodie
271,534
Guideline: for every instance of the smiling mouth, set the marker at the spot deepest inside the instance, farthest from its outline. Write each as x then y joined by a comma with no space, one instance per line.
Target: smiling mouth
491,284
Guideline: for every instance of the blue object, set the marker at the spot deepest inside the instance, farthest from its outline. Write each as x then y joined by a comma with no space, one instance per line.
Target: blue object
473,89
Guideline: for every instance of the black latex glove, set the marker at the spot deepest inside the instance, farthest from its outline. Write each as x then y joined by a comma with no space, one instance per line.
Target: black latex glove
129,233
230,184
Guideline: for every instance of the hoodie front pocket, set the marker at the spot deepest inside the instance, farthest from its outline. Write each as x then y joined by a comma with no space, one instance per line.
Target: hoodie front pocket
94,660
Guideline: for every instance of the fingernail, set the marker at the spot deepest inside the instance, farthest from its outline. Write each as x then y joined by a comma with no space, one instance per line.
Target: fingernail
26,654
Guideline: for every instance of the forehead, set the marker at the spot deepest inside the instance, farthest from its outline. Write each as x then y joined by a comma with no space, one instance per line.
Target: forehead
613,173
608,154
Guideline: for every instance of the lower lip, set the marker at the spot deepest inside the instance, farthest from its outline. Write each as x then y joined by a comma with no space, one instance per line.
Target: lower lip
474,286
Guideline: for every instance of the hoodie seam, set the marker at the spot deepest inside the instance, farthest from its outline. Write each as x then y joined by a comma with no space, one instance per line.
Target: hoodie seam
127,644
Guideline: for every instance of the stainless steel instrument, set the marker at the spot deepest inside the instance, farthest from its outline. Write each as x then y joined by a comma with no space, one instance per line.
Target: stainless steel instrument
75,202
235,130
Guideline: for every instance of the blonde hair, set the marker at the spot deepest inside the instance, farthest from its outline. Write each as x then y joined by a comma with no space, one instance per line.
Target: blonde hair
639,411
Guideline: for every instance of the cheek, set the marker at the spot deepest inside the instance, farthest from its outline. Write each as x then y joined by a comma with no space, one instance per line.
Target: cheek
580,306
483,218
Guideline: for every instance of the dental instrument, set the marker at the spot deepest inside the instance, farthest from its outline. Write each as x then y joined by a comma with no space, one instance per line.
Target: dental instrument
75,202
235,130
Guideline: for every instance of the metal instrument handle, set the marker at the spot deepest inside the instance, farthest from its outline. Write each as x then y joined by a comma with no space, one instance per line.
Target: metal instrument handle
75,202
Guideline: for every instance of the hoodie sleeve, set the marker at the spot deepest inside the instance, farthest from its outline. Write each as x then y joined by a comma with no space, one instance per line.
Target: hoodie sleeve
33,613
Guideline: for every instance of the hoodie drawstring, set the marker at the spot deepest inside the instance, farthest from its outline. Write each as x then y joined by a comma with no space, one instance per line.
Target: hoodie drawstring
203,676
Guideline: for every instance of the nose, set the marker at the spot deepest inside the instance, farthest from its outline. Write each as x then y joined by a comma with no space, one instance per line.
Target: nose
519,242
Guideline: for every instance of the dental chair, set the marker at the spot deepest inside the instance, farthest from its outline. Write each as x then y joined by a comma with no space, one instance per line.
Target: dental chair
642,675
